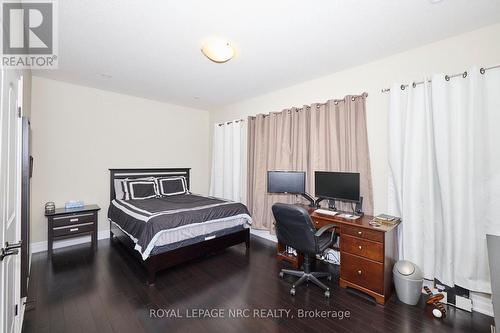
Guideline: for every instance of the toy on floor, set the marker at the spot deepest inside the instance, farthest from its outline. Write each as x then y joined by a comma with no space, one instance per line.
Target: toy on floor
439,310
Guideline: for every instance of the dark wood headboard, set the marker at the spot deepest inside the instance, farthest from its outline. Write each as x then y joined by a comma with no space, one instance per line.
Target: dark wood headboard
139,173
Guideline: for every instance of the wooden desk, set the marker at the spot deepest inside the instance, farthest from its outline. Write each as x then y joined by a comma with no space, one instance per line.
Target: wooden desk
367,254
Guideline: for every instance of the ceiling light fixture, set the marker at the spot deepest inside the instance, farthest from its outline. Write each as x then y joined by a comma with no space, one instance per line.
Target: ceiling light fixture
218,50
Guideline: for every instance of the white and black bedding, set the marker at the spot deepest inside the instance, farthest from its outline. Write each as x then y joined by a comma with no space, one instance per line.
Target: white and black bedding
157,224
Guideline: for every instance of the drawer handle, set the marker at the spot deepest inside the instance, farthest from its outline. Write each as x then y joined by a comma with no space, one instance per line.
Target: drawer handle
73,220
360,232
73,229
74,215
73,226
359,247
360,272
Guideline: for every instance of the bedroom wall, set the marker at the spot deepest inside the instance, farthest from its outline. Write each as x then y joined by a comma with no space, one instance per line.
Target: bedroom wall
480,47
80,132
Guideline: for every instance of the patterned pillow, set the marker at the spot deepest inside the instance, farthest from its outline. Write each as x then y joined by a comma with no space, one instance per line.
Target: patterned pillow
168,186
139,188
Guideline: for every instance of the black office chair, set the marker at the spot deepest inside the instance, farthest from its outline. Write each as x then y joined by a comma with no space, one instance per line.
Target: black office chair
295,229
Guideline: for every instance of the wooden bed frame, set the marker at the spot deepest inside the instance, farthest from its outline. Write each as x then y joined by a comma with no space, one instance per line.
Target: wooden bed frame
161,261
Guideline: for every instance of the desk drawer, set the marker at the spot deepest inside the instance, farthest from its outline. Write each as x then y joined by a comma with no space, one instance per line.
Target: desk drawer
73,229
65,220
363,248
363,272
318,222
373,235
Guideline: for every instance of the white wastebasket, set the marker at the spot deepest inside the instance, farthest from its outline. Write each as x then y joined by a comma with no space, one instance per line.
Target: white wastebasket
408,280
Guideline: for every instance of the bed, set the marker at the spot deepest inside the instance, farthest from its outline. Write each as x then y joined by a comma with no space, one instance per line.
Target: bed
163,231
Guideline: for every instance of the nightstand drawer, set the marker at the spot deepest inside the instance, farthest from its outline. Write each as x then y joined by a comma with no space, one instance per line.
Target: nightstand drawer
362,272
59,221
362,247
363,233
73,229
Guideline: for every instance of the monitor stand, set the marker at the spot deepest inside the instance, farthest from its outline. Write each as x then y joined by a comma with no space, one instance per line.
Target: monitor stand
332,207
312,202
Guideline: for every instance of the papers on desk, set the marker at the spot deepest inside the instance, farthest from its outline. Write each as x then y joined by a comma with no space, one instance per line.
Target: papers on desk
384,219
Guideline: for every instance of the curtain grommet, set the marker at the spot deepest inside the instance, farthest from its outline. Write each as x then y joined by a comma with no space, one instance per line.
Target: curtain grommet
414,84
464,75
353,99
336,102
482,70
403,87
447,77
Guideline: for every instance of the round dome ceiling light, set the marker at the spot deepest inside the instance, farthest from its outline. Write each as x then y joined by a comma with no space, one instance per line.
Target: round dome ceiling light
218,50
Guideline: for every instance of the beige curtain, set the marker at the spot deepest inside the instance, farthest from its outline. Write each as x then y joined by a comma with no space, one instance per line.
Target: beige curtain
321,137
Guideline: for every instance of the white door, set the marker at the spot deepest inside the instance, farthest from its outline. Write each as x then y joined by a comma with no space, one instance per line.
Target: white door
10,198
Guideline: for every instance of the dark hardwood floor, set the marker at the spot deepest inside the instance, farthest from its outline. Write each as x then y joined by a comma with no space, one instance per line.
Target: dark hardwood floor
80,291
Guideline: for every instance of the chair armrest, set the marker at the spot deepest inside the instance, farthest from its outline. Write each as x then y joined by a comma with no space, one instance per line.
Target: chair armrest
325,228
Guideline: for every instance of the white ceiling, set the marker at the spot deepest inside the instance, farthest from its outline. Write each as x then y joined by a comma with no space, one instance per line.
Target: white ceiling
151,48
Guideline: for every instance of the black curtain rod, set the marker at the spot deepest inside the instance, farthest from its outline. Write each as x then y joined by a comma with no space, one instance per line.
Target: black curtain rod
335,101
446,77
230,122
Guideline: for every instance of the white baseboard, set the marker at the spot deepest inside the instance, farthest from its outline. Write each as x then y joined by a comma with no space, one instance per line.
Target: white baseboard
104,234
482,303
42,246
264,234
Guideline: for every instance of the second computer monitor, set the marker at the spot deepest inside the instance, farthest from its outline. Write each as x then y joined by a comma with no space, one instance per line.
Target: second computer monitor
286,182
342,186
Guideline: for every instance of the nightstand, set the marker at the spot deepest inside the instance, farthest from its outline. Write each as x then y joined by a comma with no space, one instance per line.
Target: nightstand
65,223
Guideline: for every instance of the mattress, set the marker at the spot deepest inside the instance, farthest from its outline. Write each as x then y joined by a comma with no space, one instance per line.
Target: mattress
197,239
181,219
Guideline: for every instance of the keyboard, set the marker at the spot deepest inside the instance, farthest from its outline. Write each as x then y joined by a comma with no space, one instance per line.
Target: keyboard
326,212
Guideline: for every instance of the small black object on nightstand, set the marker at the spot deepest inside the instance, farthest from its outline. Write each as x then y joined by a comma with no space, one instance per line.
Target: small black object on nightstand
64,223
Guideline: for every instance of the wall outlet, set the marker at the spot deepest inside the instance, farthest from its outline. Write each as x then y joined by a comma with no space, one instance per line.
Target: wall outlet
463,303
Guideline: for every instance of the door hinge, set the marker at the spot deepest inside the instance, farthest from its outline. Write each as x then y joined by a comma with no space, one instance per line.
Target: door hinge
19,112
16,310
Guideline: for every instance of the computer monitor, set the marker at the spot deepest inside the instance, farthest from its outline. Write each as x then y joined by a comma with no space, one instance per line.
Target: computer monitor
293,182
341,186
